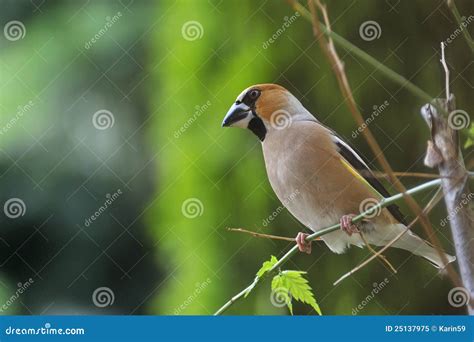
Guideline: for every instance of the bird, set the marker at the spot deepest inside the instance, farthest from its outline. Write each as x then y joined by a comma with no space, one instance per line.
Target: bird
320,178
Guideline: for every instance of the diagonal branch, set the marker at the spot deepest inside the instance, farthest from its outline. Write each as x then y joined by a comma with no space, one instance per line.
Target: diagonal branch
260,235
435,199
338,68
376,254
364,55
467,36
382,204
284,238
406,174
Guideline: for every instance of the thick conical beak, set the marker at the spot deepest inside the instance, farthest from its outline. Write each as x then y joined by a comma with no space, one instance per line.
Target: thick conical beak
238,115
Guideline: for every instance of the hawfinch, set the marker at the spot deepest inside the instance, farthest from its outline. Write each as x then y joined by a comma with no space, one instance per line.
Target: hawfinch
318,177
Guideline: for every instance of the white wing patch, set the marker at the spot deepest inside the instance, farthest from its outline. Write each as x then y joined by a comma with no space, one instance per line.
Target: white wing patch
354,153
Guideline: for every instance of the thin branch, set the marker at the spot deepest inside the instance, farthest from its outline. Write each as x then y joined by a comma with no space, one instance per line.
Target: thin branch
338,68
382,204
457,15
284,238
377,254
260,235
407,174
365,56
446,70
435,199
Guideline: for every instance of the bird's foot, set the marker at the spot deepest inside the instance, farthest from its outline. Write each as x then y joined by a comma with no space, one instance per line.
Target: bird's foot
303,245
347,225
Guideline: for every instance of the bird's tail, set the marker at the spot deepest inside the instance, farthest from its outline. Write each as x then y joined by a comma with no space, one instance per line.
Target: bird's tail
418,246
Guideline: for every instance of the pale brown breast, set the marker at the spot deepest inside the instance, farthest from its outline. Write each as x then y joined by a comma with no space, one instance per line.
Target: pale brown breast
307,175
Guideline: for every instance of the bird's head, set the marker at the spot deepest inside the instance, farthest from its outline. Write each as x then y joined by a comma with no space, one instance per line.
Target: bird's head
264,108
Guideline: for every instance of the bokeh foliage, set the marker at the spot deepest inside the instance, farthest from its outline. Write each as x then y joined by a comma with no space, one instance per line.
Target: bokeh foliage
164,149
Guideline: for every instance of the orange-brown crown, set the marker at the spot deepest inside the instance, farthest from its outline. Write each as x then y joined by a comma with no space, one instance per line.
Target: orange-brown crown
273,97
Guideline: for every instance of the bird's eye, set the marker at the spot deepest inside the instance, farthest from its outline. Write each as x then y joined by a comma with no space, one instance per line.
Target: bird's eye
253,94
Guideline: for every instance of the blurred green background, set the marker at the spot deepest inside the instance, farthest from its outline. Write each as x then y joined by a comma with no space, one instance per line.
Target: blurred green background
114,107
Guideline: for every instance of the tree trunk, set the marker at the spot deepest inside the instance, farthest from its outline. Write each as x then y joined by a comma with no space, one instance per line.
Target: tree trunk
444,151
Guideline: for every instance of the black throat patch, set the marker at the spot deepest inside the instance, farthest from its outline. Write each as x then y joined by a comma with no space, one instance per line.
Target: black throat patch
257,126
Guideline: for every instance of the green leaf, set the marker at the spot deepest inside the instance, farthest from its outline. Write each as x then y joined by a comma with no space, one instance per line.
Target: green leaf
281,295
267,266
469,142
290,285
290,306
470,137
